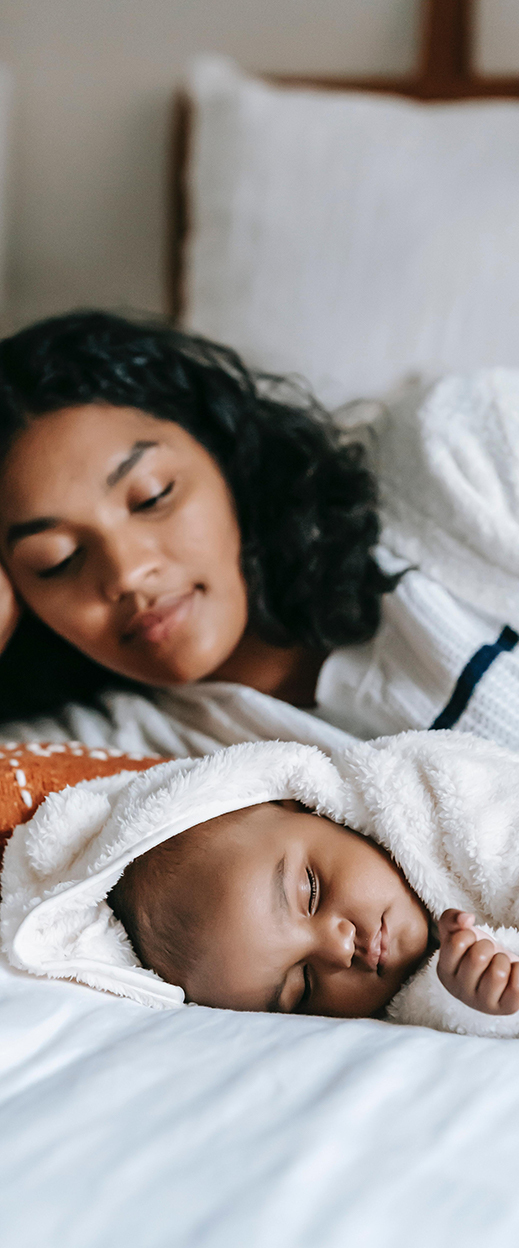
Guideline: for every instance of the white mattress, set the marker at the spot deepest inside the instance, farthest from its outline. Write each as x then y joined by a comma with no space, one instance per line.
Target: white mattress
208,1129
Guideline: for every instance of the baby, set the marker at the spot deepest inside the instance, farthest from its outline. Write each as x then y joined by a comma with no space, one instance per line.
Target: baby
269,878
275,909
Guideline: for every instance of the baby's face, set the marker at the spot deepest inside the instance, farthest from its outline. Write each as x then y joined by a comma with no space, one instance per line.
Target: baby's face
304,916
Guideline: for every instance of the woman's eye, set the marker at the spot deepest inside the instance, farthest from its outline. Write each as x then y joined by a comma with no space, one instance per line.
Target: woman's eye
58,568
155,498
313,890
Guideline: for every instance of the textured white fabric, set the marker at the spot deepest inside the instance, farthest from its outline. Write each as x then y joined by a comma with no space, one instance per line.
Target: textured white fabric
59,867
448,466
352,239
447,459
445,806
405,676
188,721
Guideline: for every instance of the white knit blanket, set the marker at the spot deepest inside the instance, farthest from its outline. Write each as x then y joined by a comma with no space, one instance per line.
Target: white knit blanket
448,463
445,805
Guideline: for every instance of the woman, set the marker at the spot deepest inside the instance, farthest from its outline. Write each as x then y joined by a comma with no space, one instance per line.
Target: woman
166,518
171,518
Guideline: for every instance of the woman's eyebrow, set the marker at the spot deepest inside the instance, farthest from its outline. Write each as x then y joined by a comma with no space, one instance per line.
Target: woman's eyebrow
42,523
127,464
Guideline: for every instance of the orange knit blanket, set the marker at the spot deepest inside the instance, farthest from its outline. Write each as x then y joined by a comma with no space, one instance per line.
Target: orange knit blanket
28,773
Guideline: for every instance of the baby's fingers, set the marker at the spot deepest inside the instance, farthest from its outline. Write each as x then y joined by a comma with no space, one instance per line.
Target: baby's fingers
471,969
509,999
453,948
493,984
451,920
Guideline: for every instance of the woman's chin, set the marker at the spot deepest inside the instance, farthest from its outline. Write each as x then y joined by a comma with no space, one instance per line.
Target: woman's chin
161,665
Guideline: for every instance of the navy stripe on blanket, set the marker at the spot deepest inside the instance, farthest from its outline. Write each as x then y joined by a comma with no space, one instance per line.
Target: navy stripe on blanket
471,675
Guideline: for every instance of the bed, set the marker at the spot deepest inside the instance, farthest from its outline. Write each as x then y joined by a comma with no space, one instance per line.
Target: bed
122,1126
207,1129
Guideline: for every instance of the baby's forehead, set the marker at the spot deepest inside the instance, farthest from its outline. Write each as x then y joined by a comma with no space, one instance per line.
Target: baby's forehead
270,813
202,847
244,825
270,822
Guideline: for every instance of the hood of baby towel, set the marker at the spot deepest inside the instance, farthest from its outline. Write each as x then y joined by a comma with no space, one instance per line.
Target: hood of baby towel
445,805
60,866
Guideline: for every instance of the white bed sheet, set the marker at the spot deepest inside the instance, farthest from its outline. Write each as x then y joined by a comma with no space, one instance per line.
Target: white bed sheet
202,1128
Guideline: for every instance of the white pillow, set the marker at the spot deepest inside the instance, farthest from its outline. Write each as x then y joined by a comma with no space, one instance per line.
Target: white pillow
352,238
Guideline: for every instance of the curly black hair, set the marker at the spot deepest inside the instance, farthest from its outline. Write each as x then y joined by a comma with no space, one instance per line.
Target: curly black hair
306,502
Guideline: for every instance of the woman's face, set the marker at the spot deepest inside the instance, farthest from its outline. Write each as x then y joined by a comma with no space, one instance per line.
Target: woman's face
120,533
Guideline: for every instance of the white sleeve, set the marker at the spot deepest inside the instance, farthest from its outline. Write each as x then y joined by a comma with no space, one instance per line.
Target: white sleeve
424,1002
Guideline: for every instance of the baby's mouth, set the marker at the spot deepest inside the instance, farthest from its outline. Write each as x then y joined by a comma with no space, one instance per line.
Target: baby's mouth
384,946
376,953
372,955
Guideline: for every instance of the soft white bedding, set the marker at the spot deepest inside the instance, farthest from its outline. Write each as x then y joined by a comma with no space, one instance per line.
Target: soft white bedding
351,238
124,1128
205,1129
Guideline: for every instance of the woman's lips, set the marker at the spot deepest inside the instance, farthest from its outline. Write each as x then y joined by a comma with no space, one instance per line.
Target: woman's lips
153,626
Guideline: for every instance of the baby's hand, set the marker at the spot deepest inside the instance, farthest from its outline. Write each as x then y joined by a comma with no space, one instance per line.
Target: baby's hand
474,969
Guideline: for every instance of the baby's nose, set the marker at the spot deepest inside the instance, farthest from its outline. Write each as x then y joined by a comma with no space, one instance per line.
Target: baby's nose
339,942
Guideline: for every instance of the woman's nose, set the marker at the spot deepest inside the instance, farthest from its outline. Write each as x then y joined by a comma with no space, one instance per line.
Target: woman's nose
337,943
127,568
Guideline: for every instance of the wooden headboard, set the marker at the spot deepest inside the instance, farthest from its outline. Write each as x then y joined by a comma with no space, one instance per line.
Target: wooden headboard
445,72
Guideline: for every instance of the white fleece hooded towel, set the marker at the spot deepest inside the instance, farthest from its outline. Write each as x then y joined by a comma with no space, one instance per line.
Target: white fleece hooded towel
444,804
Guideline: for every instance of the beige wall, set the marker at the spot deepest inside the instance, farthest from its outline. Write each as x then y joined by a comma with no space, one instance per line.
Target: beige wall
94,81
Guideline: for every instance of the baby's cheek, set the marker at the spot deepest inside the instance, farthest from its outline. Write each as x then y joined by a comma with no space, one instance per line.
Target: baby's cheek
354,994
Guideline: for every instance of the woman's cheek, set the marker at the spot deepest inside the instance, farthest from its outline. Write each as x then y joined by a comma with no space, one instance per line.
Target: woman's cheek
64,611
